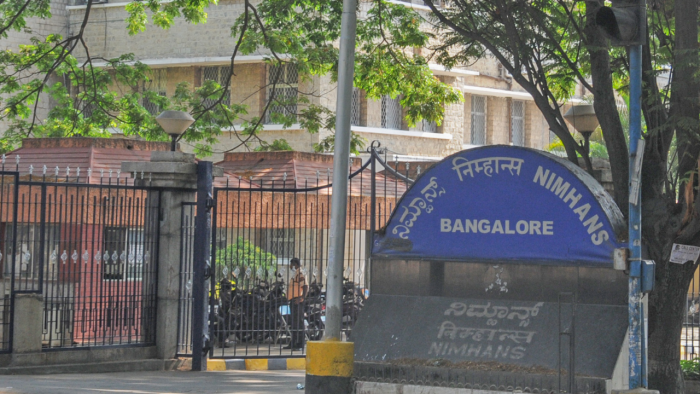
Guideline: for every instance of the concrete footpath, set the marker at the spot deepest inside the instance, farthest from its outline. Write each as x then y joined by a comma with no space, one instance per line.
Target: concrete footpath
170,382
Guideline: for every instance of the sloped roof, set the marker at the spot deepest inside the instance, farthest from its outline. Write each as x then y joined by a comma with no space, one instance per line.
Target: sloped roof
290,170
98,154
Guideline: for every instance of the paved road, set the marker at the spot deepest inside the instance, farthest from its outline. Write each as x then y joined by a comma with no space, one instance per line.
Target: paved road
247,382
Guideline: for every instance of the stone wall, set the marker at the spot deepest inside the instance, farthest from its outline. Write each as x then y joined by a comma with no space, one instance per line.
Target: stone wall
39,28
108,37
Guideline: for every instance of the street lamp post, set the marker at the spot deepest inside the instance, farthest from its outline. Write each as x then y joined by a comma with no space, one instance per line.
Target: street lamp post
174,123
584,120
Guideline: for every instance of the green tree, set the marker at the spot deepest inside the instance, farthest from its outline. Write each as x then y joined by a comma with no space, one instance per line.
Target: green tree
303,33
244,255
549,46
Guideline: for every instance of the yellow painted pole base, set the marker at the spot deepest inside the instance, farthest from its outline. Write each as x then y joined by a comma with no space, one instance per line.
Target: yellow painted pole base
329,367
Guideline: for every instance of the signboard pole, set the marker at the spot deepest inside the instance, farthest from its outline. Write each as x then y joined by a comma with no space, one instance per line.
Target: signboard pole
637,375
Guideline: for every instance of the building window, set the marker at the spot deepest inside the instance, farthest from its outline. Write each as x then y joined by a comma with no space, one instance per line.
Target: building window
392,113
478,132
517,123
282,91
219,75
356,109
123,253
280,242
157,84
428,126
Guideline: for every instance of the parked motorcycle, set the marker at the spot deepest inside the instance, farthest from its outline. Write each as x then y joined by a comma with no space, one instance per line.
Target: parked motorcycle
314,310
253,316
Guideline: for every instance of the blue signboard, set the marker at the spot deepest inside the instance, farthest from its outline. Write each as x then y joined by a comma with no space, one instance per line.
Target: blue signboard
503,203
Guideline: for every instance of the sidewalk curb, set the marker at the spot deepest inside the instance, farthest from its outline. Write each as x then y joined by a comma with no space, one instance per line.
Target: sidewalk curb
257,364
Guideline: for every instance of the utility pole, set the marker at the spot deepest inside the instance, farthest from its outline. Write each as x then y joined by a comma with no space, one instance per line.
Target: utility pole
625,24
329,362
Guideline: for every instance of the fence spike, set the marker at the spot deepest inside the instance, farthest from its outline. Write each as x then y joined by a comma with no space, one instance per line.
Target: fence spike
418,170
407,166
102,173
284,177
318,174
2,160
17,159
43,170
89,172
141,175
31,169
77,172
110,173
67,171
57,170
119,173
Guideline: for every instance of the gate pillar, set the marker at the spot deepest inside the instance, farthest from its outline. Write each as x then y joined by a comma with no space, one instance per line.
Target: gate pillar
176,174
28,308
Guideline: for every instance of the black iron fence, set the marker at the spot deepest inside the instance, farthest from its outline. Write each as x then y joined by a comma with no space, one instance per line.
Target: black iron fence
8,213
184,327
86,241
690,334
260,225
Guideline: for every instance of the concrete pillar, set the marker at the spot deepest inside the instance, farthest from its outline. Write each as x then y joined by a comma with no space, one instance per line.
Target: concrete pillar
176,173
26,325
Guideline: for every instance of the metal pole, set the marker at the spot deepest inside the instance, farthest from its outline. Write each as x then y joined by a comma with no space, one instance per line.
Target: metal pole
341,157
637,376
200,266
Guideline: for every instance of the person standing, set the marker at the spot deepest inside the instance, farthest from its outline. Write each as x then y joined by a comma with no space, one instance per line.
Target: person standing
296,295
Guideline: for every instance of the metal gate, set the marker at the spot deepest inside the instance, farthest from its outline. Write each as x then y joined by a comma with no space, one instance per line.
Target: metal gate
259,224
184,326
8,220
89,244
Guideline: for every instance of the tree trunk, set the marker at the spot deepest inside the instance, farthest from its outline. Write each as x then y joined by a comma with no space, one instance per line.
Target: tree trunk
666,313
606,107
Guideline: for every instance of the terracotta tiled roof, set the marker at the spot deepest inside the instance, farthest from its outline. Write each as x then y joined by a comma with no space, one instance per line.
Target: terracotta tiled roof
98,154
300,170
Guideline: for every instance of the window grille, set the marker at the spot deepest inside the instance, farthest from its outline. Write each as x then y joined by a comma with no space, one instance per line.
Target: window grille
478,132
280,242
123,253
218,75
355,111
89,109
517,123
158,84
282,91
428,126
392,112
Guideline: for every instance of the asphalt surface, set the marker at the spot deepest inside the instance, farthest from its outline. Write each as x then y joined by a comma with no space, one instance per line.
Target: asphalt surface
172,382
